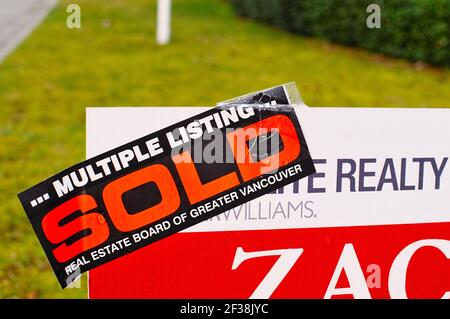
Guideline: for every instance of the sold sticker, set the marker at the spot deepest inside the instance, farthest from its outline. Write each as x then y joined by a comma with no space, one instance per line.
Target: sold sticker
162,183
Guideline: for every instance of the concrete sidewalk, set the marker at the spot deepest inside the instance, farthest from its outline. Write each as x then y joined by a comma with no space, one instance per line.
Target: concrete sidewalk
18,18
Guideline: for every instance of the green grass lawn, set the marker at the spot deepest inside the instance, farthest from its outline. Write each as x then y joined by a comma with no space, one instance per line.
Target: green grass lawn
48,81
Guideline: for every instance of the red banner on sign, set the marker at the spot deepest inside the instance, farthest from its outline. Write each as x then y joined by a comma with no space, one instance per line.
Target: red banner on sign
394,261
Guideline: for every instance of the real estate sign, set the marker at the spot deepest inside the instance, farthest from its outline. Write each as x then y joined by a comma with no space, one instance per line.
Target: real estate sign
373,222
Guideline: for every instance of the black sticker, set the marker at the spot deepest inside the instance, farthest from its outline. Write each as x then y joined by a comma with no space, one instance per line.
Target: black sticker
162,183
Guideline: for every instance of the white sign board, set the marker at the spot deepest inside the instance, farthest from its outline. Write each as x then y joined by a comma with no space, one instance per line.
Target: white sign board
375,166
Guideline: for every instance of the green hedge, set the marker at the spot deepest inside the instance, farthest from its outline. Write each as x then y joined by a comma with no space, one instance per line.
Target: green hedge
417,30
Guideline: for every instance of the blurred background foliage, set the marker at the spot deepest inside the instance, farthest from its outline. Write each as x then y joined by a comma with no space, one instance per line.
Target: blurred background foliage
113,60
418,30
